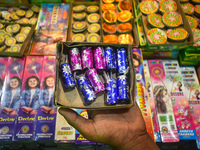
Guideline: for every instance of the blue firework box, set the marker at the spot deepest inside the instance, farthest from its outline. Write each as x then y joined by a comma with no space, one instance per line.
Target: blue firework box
73,97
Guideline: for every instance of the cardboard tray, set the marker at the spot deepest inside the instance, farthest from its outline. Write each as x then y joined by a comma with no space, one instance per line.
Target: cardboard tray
71,20
134,32
25,44
72,98
168,46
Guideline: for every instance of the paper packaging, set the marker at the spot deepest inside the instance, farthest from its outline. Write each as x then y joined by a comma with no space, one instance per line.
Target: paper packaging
63,131
141,91
152,103
79,137
192,89
25,125
3,72
50,30
46,116
182,114
10,99
162,101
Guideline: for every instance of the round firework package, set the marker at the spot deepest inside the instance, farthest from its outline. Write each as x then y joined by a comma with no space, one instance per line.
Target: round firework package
155,21
93,37
196,35
125,39
167,5
79,16
93,18
79,27
157,36
93,28
10,41
188,8
79,8
149,6
177,34
15,48
197,11
172,19
78,38
92,9
195,2
20,37
192,22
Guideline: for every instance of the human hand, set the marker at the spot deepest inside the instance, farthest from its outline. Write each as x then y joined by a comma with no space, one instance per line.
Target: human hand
122,129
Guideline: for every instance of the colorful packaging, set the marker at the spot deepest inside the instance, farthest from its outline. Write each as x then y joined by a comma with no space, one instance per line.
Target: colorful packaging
152,103
63,131
79,137
25,125
3,72
10,100
162,101
51,28
182,114
142,94
192,89
46,116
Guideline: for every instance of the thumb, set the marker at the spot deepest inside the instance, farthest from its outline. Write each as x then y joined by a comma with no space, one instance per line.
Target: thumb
80,123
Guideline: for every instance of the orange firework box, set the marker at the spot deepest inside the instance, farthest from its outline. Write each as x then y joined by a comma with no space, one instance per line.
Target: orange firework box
142,97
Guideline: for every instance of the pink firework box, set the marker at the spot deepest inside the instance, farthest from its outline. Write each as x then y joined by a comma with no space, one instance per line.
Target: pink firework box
162,101
142,94
152,103
182,113
33,67
192,89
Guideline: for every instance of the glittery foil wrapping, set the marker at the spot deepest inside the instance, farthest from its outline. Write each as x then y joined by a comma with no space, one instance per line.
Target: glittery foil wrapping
75,59
111,92
123,88
67,77
110,58
99,58
122,63
87,55
95,80
86,89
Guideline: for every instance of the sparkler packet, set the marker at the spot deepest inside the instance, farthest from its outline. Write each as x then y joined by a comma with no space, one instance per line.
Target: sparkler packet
163,103
25,124
192,89
46,115
63,131
3,72
182,113
10,99
152,103
141,91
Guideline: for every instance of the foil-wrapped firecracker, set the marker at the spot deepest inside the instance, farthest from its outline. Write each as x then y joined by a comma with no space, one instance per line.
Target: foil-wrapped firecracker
111,91
67,77
95,80
110,59
99,58
123,88
86,89
75,60
122,63
87,56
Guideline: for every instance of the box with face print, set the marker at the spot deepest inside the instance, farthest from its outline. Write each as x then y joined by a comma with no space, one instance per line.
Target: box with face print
79,139
151,101
141,91
192,90
29,98
46,116
162,101
182,114
10,99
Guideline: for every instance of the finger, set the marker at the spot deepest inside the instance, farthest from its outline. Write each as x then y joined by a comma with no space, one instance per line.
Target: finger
80,123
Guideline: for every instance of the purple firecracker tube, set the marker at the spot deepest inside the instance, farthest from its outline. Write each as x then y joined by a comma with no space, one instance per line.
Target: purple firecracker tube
95,80
99,58
75,59
87,56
